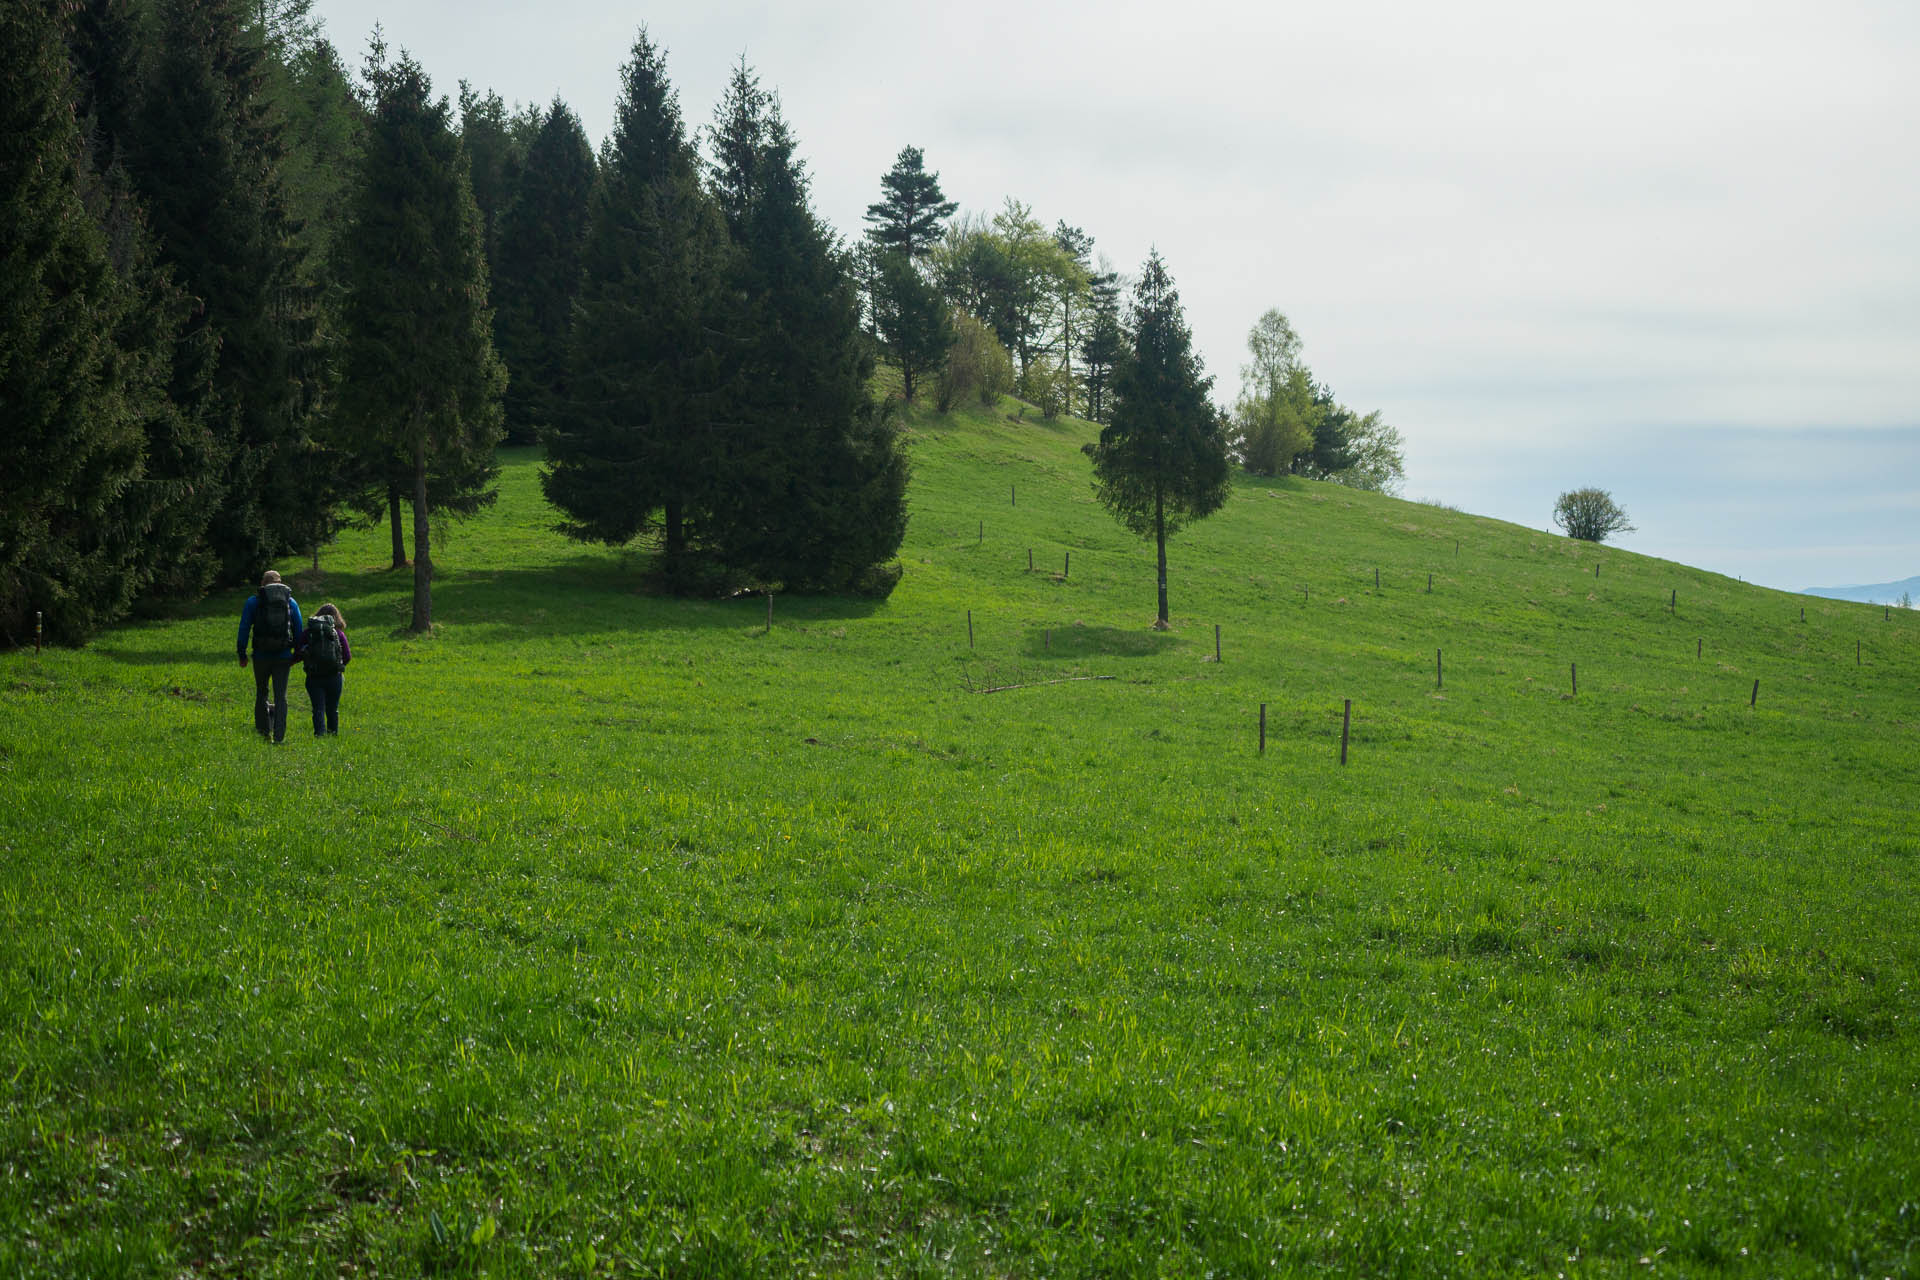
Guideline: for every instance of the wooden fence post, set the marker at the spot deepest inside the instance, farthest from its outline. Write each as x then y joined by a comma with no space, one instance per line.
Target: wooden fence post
1263,728
1029,559
1068,571
1429,584
36,633
1439,672
1376,577
1673,599
1346,723
1216,642
1573,670
1013,495
1698,645
1754,701
969,628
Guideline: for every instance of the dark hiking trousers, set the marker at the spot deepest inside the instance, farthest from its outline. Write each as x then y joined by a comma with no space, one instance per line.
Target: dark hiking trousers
270,718
324,693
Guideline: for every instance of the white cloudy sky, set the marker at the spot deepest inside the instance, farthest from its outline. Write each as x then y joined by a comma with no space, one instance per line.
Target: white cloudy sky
1668,247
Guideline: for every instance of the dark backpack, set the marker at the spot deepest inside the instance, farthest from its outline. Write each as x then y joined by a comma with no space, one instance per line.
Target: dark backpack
273,619
326,656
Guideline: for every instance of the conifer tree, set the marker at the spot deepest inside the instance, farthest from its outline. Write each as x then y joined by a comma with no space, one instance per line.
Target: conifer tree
420,380
1102,344
537,272
912,210
204,151
162,518
813,491
71,444
912,318
1162,462
650,355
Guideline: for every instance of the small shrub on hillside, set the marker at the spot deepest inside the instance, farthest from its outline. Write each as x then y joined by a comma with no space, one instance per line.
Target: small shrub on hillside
1590,515
977,365
878,581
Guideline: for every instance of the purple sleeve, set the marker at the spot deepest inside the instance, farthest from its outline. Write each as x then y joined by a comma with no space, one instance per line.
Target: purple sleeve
346,650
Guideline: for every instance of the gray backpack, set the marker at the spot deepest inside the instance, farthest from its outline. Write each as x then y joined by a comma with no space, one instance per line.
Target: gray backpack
326,656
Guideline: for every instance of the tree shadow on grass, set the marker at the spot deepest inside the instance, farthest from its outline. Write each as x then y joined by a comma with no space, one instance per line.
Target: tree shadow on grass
583,595
1077,640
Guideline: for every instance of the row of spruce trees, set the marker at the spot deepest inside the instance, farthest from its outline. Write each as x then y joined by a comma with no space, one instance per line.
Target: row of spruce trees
247,298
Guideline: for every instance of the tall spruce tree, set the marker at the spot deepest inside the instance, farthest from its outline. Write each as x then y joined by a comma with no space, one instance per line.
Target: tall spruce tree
651,357
204,151
812,493
912,210
1162,462
420,379
165,514
71,443
537,272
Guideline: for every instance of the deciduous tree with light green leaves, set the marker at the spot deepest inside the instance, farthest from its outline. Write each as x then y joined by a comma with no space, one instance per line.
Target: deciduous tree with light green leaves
1162,462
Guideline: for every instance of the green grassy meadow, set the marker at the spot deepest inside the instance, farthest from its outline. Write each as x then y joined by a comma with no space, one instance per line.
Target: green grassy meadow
618,935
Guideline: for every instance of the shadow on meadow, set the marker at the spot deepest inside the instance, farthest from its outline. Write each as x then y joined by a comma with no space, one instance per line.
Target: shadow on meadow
1081,641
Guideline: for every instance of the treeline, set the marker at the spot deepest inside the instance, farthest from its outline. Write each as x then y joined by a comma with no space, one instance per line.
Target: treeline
250,296
1001,304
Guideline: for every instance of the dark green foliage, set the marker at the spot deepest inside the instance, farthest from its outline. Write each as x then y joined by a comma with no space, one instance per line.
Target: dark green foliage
1162,462
421,384
537,272
912,209
496,149
651,372
71,442
1102,343
912,318
205,152
812,487
323,120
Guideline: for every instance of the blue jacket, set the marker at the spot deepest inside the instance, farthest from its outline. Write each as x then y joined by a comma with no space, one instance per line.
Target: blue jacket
246,629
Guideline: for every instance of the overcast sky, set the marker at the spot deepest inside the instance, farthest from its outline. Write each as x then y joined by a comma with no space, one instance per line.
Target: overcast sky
1670,248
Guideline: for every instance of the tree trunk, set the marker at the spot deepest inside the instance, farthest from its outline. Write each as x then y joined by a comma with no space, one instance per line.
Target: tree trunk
676,532
906,379
1160,541
399,531
422,556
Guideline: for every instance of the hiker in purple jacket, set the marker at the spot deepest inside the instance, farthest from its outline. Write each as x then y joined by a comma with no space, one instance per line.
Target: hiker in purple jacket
324,651
271,619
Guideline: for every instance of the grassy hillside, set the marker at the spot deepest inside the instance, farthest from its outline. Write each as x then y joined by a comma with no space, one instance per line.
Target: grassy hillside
619,935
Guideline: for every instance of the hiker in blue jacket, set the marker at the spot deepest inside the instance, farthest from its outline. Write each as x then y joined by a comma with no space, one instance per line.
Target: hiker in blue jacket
271,618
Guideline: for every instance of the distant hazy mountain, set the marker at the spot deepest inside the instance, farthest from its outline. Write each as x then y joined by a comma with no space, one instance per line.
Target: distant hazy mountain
1880,593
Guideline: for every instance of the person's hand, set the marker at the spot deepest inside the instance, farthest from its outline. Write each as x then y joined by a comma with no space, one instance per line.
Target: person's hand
243,659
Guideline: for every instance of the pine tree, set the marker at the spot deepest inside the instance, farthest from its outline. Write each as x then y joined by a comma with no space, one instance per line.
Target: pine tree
1102,344
537,272
71,443
163,517
812,493
912,210
912,318
204,151
651,362
420,383
1162,462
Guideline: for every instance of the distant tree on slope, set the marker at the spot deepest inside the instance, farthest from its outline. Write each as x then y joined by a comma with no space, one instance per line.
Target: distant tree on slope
912,210
1590,515
1162,462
